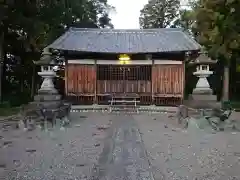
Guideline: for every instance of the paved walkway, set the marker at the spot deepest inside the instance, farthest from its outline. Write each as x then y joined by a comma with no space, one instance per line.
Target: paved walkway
124,156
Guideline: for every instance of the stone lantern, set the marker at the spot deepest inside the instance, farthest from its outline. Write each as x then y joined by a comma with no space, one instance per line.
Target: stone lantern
47,73
47,95
203,72
202,95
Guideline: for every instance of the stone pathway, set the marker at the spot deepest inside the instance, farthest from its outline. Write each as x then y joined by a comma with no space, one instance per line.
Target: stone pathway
124,156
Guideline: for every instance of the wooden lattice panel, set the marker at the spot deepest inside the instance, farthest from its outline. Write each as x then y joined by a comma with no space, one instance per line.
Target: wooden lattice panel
168,80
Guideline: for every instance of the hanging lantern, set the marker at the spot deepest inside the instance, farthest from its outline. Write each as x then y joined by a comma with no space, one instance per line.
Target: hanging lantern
124,59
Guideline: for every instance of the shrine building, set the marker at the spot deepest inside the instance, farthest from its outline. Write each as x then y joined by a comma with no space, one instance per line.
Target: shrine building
148,63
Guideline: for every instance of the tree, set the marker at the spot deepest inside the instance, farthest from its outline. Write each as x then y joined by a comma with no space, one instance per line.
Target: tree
29,26
159,13
218,25
185,20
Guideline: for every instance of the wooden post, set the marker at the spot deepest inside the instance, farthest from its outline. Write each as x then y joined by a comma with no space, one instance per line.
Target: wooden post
152,85
149,57
183,84
95,91
66,78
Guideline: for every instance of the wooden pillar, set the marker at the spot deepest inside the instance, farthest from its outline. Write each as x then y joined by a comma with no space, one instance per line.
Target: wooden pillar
152,85
66,78
95,91
186,58
149,57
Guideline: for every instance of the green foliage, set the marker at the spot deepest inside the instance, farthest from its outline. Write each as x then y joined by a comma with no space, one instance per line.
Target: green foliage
159,13
186,20
9,111
218,25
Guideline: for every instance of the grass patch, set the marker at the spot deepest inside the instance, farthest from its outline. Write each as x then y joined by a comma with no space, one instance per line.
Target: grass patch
9,111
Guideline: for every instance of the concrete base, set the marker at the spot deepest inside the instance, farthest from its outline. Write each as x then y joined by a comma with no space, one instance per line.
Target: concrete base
205,91
47,91
47,97
202,97
48,100
202,101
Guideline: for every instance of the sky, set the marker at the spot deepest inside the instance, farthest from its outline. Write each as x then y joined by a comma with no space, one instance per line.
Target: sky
127,12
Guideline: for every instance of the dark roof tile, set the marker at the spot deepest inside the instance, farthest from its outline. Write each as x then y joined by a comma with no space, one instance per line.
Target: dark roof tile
125,41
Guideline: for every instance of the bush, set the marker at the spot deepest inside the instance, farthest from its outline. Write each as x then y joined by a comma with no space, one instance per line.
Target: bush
5,104
17,99
231,104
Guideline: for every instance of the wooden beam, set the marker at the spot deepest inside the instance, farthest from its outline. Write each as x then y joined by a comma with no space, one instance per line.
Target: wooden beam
117,62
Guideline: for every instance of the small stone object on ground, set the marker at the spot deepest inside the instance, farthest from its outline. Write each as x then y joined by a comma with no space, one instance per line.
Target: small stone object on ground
96,145
17,162
16,126
103,127
214,120
2,165
83,117
165,126
62,128
6,143
80,165
31,150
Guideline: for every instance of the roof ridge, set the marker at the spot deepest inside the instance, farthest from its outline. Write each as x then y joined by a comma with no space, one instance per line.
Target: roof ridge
125,30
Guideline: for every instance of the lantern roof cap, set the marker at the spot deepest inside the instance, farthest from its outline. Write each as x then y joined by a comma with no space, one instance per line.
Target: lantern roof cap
203,58
46,58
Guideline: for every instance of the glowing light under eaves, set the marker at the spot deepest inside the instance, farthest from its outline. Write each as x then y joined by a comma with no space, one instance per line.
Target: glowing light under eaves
124,59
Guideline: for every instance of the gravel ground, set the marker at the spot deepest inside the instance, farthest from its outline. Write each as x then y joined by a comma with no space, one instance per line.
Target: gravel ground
184,155
101,144
58,154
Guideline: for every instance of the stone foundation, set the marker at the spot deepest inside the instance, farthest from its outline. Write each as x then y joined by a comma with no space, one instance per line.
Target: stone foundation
202,101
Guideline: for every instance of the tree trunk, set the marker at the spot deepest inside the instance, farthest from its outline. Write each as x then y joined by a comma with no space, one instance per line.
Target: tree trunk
225,91
1,62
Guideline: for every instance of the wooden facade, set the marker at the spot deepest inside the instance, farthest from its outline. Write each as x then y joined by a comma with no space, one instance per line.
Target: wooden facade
156,82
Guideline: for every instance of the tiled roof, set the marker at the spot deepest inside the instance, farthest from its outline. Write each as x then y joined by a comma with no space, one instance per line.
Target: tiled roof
125,41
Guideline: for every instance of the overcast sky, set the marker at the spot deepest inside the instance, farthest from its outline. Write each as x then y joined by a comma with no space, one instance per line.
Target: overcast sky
127,13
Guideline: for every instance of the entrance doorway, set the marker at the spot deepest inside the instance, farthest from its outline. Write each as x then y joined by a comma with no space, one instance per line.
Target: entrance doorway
123,79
